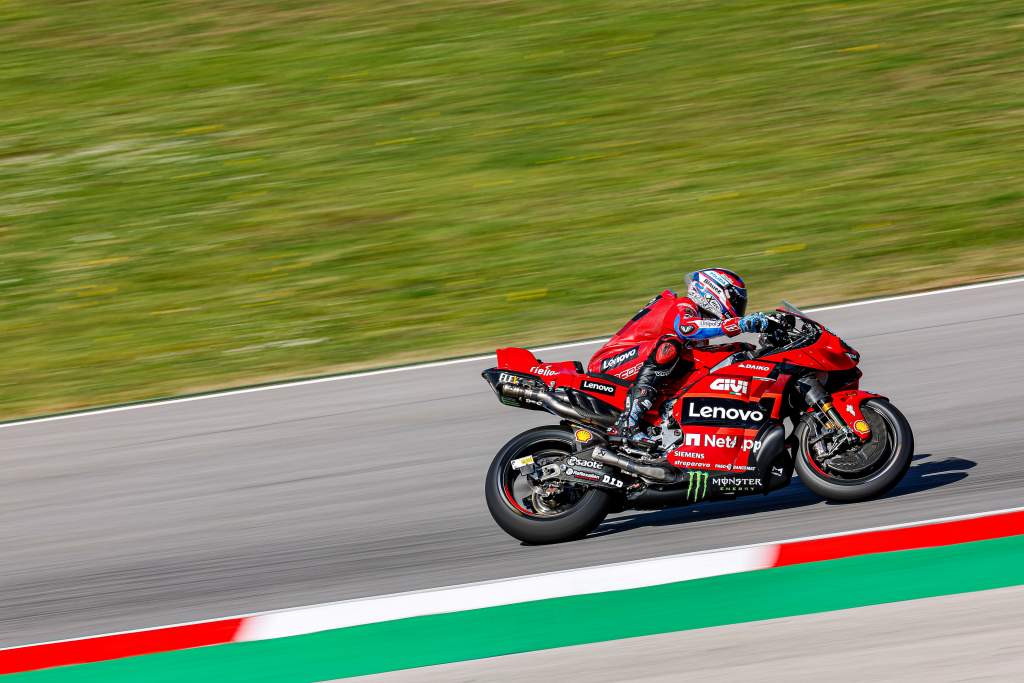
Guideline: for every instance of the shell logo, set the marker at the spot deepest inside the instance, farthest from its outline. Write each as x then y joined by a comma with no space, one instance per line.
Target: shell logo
584,435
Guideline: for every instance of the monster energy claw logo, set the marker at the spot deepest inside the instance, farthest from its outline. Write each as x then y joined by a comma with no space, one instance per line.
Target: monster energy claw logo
698,487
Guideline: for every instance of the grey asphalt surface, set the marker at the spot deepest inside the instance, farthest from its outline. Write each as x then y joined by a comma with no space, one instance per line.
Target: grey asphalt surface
949,638
373,485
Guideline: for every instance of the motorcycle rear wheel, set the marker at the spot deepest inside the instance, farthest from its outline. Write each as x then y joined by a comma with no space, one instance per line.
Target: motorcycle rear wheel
525,517
894,438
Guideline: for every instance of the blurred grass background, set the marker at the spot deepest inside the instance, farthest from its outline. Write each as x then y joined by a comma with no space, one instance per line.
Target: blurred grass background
207,193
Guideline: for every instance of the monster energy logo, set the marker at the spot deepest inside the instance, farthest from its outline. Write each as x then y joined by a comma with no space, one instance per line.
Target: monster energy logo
698,487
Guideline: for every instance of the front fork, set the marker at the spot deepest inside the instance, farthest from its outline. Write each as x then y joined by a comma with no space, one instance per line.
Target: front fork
832,423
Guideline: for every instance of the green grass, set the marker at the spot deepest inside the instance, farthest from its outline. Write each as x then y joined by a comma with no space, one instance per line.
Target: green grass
206,193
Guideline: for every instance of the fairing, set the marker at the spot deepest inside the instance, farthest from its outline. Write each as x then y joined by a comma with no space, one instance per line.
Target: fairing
566,375
849,403
721,416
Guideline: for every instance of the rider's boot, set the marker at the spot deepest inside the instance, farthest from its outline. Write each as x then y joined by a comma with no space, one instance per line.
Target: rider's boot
642,395
639,400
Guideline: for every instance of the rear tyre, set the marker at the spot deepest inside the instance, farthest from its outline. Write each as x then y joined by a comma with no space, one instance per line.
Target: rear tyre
891,448
521,513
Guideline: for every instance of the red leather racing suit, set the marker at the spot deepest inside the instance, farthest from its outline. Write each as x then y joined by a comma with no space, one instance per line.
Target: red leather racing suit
655,344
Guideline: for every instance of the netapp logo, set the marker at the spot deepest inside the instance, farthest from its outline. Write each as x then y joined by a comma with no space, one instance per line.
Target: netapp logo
598,387
616,361
716,441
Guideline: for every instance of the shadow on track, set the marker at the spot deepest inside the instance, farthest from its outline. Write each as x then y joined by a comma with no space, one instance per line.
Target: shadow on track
922,476
932,474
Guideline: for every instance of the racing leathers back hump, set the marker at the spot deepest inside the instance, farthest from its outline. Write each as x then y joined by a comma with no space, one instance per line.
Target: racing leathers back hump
666,316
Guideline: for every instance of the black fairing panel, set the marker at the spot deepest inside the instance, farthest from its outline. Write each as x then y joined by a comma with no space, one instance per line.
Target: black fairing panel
773,456
578,399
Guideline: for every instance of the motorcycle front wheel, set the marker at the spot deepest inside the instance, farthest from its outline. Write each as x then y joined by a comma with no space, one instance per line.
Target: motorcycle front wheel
541,514
869,471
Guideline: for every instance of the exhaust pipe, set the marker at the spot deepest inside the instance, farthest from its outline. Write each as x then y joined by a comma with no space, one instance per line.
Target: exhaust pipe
666,474
553,405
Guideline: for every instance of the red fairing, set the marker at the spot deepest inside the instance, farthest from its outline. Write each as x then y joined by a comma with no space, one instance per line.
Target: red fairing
828,353
722,414
522,360
563,374
519,360
848,403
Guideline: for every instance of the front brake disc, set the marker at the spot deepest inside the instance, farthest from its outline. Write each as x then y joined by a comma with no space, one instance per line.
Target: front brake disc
864,457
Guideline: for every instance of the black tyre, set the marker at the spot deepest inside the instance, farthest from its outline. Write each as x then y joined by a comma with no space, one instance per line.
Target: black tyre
526,515
870,471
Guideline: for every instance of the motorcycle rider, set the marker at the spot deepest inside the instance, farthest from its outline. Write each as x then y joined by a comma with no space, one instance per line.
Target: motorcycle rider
653,345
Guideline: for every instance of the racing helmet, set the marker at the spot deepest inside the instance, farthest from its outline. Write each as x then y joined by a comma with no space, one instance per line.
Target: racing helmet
718,292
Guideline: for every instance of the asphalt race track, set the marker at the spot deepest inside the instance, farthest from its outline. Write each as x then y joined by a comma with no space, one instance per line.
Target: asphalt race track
369,485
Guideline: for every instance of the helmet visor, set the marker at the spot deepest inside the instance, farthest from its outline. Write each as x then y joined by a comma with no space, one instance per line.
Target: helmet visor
739,301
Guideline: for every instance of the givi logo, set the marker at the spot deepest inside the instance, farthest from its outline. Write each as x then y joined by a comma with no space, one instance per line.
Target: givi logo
735,386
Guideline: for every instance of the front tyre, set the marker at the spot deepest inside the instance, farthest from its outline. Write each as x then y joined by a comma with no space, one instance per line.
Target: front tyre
880,462
531,513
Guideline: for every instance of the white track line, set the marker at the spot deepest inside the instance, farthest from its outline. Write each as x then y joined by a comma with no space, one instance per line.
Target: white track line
454,361
584,581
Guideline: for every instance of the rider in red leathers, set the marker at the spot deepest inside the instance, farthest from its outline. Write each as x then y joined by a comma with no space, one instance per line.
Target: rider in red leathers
653,344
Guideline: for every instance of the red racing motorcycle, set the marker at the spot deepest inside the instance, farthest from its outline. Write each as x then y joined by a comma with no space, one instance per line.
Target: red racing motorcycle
738,423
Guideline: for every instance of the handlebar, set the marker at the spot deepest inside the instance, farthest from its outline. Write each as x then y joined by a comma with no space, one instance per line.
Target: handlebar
780,331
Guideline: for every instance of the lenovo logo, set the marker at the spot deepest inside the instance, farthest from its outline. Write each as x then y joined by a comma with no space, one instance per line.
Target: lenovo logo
723,413
616,361
588,385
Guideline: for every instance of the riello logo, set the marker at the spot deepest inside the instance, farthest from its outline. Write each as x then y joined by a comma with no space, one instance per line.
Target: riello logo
735,386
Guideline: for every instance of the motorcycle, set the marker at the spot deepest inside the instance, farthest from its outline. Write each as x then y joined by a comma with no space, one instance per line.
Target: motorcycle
717,433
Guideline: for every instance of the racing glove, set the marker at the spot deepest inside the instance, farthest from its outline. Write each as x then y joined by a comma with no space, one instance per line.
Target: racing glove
755,322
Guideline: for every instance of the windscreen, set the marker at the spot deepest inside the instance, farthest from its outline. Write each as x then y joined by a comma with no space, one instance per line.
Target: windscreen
791,308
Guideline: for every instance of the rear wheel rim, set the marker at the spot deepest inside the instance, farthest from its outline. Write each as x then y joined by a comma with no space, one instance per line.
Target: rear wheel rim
518,493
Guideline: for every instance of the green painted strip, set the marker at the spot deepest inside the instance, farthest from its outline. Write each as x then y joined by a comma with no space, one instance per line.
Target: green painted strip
437,639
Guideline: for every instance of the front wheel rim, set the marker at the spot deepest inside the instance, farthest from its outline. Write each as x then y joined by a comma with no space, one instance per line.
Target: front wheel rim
893,447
